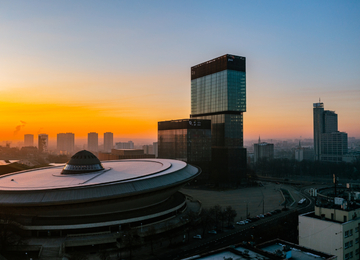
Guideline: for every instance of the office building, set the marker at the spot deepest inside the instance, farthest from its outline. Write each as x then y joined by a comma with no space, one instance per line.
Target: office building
108,142
263,150
218,93
28,140
333,229
117,154
188,140
65,143
43,143
93,142
124,145
329,144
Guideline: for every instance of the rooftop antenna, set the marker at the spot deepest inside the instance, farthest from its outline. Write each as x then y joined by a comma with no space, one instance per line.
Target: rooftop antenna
319,100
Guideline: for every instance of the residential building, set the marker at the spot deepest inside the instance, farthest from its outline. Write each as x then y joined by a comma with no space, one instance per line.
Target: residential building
65,143
218,93
117,154
43,143
333,229
108,142
156,149
124,145
93,142
304,153
148,149
329,144
263,150
28,140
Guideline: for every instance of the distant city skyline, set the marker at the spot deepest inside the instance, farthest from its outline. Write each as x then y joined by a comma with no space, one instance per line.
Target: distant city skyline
123,66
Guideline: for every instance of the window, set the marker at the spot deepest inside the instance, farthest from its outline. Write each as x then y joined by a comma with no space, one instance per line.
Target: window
357,251
346,245
351,255
350,232
346,233
356,240
356,229
350,243
347,256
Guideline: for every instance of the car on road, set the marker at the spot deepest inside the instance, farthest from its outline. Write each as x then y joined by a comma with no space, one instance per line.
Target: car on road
197,236
212,232
247,221
261,216
241,223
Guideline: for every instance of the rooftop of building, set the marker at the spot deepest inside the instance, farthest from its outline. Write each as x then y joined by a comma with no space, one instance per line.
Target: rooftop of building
275,249
277,246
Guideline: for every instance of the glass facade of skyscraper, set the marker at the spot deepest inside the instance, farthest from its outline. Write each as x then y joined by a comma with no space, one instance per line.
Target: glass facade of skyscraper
186,139
218,93
221,91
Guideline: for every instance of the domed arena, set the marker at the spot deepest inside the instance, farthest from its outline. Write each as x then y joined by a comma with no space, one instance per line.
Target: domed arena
87,196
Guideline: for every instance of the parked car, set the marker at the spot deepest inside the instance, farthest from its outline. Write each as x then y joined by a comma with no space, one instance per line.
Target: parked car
197,236
212,232
261,216
241,223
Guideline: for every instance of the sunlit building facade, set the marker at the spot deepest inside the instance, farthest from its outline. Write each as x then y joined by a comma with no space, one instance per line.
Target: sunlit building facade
108,142
43,142
218,93
28,140
65,143
93,142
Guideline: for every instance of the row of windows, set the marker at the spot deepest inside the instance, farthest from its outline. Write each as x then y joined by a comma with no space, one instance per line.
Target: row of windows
351,255
349,233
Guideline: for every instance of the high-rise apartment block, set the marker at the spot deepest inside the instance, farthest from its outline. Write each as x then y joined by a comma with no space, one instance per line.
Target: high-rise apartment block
263,150
124,145
108,142
329,144
66,143
218,93
43,142
28,140
93,142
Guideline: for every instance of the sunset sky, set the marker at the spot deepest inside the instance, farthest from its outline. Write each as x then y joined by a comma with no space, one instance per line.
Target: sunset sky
122,66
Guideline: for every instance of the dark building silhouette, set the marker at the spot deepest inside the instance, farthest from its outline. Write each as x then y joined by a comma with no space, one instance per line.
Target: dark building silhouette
218,93
188,140
329,144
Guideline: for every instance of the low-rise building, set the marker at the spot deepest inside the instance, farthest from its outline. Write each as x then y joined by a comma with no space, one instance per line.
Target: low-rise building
333,229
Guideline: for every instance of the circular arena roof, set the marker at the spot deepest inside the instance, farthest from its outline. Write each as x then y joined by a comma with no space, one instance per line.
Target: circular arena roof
117,179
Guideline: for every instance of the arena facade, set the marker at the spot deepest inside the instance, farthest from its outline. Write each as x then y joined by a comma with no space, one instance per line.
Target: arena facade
87,196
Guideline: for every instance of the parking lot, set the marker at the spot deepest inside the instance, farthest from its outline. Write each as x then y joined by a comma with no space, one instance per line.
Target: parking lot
254,200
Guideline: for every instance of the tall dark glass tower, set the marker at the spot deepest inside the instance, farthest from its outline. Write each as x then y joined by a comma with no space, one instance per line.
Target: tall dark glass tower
329,144
218,93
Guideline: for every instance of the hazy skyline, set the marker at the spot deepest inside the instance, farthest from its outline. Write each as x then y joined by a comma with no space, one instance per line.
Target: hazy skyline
91,66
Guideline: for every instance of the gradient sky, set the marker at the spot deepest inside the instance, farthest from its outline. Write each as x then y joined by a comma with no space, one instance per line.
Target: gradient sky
122,66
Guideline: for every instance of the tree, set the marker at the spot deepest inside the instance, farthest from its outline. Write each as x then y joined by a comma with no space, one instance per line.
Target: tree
230,215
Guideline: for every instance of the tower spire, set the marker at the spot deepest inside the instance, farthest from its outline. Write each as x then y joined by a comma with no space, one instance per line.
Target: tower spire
259,139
